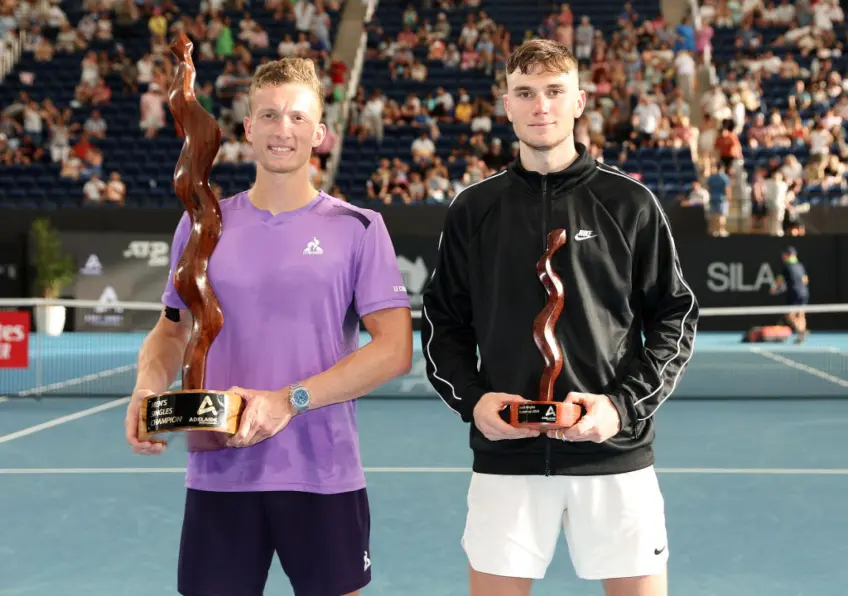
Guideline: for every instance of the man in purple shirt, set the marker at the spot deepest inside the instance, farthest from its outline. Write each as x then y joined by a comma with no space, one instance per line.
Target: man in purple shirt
295,270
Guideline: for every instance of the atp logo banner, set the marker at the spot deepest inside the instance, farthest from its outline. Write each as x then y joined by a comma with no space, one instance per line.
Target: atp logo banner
14,339
117,267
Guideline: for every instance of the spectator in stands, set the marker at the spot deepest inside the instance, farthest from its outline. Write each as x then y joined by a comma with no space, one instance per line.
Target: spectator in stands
116,190
820,139
33,121
371,117
776,191
7,154
698,197
44,52
94,190
707,136
323,150
68,39
152,110
685,65
727,146
759,209
60,137
720,197
230,150
584,37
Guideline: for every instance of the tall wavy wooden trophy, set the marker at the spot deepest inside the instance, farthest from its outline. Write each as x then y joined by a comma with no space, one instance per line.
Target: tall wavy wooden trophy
546,413
210,417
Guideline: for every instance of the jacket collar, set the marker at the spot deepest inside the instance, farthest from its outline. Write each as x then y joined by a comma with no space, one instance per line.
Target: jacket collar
557,182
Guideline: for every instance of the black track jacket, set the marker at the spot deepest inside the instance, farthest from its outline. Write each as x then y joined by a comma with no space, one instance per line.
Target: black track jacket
622,278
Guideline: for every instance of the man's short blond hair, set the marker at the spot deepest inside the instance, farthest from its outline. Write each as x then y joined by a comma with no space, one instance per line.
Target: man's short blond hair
288,70
552,56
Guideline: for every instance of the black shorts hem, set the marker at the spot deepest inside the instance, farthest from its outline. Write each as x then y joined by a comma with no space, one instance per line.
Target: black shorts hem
188,592
335,591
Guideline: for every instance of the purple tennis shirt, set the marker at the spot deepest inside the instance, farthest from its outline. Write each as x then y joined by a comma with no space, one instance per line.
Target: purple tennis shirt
292,288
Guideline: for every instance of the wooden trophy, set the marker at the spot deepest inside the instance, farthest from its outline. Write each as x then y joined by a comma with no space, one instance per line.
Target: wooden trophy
194,408
547,414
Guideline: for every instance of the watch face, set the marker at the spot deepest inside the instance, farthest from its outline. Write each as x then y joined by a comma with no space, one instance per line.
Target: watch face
300,397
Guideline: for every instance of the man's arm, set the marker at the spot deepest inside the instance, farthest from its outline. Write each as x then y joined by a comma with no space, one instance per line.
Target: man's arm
159,361
447,335
386,356
670,316
383,305
162,351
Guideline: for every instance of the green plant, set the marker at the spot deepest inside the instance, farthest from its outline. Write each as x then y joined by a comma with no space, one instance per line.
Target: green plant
54,270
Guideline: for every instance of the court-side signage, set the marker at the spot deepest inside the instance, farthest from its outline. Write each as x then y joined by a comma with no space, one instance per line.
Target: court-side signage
117,267
14,339
740,271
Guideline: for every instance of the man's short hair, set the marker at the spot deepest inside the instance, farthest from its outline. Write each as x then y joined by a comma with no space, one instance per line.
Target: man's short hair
288,70
552,56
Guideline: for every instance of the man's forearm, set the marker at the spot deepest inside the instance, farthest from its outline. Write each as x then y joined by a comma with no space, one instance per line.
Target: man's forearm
359,373
159,361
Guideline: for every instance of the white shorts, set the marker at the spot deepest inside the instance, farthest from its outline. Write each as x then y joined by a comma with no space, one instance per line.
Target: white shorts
614,525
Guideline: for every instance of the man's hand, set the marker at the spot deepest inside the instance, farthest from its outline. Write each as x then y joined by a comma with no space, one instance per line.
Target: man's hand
488,420
151,447
265,414
599,423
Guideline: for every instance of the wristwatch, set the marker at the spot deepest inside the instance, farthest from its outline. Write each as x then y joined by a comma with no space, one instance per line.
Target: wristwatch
299,398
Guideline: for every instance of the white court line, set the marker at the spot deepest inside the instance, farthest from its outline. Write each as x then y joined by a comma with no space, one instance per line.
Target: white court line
802,367
70,383
413,470
787,349
62,419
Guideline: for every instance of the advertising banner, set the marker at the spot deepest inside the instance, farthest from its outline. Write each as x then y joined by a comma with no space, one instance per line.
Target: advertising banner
740,271
736,271
117,267
14,339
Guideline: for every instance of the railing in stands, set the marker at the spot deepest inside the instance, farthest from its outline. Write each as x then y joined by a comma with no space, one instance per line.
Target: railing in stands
350,93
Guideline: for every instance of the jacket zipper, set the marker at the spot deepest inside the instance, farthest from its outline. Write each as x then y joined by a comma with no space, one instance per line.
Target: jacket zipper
545,218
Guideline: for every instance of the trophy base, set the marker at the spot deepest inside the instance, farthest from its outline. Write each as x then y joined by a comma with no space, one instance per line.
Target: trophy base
542,415
215,413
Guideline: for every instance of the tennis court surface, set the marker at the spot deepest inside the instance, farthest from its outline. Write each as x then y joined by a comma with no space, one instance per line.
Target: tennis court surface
755,482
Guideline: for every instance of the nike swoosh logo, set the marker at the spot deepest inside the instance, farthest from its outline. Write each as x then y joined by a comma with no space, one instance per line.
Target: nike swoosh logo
659,551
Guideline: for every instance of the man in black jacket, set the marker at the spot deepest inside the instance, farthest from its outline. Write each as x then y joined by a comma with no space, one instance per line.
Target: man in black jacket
622,278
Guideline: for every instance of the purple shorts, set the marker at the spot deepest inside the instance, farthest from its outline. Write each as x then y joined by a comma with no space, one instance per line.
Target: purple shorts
229,540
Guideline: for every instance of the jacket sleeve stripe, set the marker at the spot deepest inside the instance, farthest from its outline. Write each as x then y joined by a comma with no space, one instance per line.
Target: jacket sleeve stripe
605,169
427,353
432,363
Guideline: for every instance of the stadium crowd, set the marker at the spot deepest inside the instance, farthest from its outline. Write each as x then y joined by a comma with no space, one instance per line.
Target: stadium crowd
638,83
758,157
766,140
97,36
773,138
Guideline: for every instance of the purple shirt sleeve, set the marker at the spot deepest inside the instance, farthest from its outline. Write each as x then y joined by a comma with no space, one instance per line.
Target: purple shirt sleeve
378,284
170,297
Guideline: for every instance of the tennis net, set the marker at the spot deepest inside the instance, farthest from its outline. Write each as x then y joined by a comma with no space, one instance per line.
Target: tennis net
90,348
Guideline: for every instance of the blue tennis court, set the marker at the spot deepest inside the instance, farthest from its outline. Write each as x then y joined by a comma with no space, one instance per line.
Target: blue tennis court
755,488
